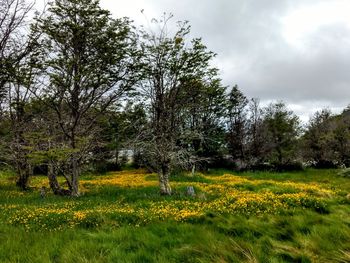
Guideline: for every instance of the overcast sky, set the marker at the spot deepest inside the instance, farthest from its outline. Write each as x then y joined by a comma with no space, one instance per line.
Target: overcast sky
297,51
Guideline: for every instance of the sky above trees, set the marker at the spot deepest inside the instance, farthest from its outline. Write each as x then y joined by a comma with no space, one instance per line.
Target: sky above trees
291,50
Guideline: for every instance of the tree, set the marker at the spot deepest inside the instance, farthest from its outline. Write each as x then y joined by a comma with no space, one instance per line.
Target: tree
14,44
120,127
202,117
18,71
21,118
91,62
283,128
236,123
342,140
256,134
171,64
318,140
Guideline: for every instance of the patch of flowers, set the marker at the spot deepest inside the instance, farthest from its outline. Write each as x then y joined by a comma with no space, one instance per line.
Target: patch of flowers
220,195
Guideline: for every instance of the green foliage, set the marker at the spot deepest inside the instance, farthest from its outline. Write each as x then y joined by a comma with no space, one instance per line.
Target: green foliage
202,116
89,61
236,123
42,157
327,139
120,128
180,90
283,128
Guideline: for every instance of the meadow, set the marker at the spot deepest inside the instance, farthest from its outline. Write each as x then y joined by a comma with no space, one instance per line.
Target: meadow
233,217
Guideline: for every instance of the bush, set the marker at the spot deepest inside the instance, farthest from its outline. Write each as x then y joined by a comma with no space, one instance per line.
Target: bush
218,162
269,167
261,167
104,167
325,164
289,167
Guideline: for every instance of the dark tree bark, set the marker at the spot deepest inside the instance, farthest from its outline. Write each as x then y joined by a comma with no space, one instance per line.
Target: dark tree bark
54,184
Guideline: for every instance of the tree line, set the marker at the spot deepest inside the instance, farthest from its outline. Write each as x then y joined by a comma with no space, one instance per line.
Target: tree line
82,90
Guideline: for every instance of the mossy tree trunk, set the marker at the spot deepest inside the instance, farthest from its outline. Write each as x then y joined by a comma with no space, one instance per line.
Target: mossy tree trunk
164,183
24,171
75,177
54,184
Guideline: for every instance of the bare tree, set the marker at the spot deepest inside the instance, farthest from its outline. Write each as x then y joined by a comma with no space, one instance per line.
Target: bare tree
20,118
18,55
256,134
13,40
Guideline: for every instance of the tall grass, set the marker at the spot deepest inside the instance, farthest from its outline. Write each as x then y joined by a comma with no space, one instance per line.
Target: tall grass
296,234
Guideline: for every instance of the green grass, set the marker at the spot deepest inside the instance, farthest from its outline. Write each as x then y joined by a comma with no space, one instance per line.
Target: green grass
297,233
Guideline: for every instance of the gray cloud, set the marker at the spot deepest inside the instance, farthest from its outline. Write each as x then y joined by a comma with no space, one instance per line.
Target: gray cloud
317,73
253,52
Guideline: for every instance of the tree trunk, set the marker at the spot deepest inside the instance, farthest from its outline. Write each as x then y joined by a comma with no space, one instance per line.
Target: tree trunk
193,170
54,184
75,178
117,163
24,172
280,156
164,184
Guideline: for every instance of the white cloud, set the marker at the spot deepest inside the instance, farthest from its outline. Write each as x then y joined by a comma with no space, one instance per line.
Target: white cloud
304,21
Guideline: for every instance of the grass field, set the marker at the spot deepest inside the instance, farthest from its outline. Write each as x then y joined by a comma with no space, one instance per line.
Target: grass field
120,217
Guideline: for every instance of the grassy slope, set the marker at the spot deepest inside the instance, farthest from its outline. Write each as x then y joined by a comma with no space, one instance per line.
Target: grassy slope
292,235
